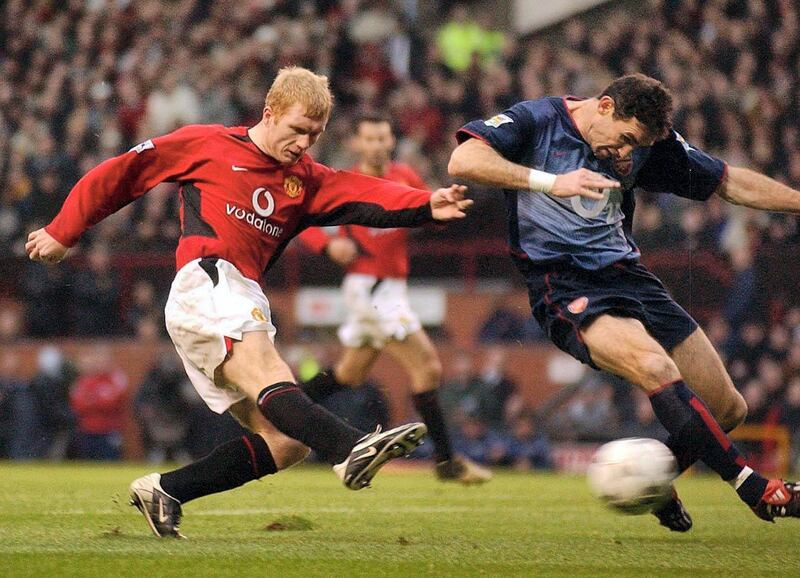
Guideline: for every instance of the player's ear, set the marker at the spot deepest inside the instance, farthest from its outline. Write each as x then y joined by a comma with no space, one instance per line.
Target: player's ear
268,114
606,105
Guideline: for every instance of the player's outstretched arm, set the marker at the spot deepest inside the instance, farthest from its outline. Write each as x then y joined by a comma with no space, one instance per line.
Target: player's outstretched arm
41,246
449,203
751,189
477,161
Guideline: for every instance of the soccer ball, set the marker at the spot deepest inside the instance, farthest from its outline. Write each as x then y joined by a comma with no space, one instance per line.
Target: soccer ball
633,475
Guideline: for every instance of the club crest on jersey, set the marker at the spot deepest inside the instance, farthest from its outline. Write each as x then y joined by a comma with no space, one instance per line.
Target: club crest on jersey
578,305
498,120
293,186
258,315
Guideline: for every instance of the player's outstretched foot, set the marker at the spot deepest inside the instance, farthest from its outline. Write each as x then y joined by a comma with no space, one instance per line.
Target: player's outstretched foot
673,515
373,450
780,500
461,469
162,511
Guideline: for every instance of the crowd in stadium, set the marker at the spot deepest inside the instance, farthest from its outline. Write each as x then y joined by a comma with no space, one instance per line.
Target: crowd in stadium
101,76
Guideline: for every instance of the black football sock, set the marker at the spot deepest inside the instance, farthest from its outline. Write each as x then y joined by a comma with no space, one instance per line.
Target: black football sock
696,435
427,404
322,385
295,414
228,466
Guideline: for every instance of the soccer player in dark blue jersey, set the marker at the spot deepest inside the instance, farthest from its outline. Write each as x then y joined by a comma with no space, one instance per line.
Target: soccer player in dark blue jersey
586,285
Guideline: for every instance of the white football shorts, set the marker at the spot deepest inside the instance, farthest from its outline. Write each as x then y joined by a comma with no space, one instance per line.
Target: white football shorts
377,311
209,301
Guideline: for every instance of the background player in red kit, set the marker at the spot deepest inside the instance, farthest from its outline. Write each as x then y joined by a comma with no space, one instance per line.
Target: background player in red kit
245,192
379,317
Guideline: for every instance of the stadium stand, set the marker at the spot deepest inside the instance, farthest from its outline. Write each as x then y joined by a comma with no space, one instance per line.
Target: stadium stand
101,76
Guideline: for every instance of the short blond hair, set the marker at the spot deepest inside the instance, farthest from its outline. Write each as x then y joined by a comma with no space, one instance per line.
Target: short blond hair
299,85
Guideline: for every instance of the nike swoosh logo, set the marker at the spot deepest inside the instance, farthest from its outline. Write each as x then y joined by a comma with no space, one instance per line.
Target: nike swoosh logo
235,168
162,518
368,453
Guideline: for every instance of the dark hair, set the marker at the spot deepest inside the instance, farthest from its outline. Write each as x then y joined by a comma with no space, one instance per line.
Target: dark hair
373,117
643,97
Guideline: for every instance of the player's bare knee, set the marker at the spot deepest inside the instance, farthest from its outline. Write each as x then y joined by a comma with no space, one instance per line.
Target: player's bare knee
654,369
735,412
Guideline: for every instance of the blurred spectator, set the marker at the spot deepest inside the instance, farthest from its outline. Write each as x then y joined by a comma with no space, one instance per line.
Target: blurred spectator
460,393
99,400
11,321
505,324
364,407
589,414
172,104
758,404
51,390
47,292
498,393
719,333
8,384
748,344
778,342
526,448
650,230
474,439
163,409
95,292
156,227
462,39
743,292
770,373
17,406
144,306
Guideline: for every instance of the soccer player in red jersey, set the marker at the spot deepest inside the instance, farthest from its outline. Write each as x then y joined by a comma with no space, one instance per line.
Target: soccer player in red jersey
245,193
379,317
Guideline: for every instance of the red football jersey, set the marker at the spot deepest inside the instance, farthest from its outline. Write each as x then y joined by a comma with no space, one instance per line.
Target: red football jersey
237,203
381,252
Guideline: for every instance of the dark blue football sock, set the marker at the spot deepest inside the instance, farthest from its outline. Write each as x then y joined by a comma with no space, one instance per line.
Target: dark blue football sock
695,434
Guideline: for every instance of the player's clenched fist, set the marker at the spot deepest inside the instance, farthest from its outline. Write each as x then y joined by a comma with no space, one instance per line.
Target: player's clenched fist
582,182
42,247
449,203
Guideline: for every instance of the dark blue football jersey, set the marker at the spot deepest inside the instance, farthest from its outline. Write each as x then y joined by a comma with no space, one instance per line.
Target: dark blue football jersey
589,234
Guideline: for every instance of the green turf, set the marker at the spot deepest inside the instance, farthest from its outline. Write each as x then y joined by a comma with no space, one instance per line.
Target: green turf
73,520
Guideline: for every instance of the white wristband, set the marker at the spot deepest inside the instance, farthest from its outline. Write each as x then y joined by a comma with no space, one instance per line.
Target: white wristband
540,181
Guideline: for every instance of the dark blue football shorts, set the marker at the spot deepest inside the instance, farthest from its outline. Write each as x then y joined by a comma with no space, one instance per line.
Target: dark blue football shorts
564,298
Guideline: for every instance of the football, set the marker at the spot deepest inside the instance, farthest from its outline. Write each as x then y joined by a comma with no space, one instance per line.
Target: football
633,475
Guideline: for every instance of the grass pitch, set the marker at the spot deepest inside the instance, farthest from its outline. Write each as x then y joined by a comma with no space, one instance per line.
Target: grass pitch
73,520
